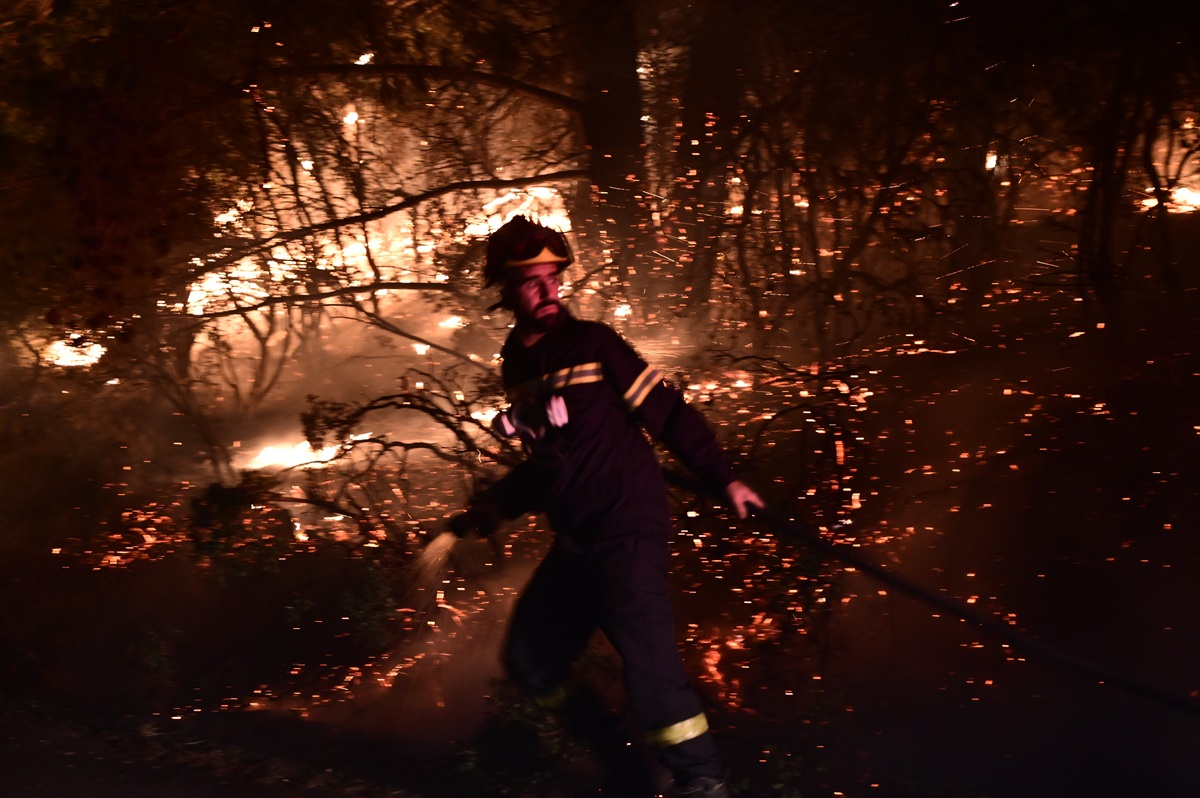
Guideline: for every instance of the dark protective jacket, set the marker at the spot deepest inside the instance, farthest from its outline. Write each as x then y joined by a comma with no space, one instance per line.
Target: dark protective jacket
598,480
600,464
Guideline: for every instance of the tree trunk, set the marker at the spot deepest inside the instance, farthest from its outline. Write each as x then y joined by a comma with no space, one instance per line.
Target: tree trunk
611,214
710,104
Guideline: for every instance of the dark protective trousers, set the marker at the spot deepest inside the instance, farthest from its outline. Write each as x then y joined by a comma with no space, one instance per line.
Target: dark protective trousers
617,584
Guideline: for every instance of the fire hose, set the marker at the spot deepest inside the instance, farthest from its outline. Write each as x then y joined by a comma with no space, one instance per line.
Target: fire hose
796,531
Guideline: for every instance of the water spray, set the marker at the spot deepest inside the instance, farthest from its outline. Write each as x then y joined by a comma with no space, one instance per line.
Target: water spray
429,569
430,565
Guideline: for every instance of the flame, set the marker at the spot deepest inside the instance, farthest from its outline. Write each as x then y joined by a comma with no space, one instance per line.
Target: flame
288,456
543,203
73,353
244,280
1183,200
486,415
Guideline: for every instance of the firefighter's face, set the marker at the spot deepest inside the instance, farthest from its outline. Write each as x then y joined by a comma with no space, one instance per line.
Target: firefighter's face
533,291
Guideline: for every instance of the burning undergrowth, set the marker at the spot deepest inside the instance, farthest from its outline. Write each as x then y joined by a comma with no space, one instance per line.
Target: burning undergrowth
308,590
317,564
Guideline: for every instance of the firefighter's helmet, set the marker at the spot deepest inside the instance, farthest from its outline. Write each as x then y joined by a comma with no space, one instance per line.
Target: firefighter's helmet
522,242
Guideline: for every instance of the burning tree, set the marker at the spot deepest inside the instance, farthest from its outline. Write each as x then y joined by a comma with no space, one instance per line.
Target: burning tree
806,198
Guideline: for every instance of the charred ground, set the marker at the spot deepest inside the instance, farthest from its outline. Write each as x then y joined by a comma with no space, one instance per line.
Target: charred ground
1037,472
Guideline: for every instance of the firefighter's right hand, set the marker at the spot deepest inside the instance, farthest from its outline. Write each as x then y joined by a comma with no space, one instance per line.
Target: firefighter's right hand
478,520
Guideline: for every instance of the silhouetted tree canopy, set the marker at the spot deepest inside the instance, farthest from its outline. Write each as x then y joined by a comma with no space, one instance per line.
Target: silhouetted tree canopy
179,178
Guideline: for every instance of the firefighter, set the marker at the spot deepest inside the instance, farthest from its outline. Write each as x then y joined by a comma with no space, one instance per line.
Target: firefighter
579,398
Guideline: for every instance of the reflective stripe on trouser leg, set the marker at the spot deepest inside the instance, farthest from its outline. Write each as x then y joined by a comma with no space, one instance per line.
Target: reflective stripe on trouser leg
637,619
679,732
554,700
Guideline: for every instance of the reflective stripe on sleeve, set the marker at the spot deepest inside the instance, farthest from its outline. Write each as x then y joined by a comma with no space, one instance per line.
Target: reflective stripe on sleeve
642,386
575,375
557,380
679,732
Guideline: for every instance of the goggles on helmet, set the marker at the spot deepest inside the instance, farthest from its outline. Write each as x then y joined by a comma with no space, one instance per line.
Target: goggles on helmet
521,242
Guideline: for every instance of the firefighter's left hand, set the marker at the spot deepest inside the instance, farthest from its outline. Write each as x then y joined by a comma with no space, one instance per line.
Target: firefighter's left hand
556,411
742,497
529,418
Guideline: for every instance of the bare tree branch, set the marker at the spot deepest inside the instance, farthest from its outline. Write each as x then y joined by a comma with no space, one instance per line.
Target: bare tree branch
437,72
236,254
321,296
384,324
